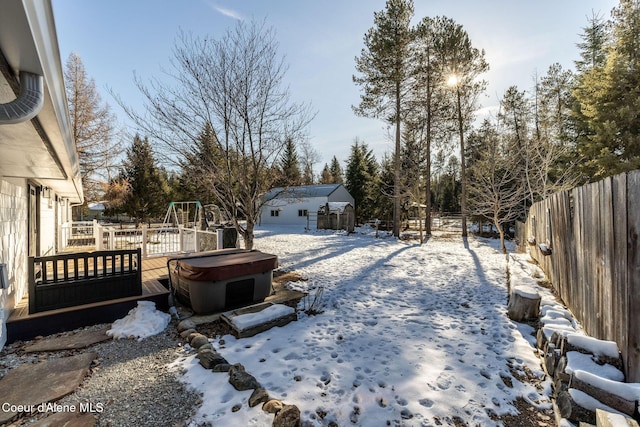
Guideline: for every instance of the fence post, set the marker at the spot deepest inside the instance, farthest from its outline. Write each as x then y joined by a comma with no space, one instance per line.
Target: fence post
112,239
143,244
180,238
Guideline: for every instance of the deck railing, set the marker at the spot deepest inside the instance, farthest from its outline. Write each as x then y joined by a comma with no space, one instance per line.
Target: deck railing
71,279
152,241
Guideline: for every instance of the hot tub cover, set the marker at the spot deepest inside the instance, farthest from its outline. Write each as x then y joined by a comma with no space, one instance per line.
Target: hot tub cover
224,265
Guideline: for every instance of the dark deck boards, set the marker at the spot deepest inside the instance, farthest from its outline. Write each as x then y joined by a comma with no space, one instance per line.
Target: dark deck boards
21,325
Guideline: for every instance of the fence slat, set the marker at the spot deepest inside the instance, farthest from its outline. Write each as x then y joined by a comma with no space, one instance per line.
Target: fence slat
620,284
633,274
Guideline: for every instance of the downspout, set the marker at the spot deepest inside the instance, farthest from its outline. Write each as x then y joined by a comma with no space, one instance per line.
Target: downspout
28,103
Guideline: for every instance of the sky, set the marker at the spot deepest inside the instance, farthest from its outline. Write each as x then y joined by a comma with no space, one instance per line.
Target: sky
319,40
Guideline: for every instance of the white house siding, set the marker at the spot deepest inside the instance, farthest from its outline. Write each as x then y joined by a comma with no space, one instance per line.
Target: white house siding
288,210
13,253
341,194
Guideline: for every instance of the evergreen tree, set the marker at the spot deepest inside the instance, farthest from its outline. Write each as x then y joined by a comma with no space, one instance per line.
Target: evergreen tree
289,166
384,68
336,171
325,176
148,194
195,181
608,98
360,176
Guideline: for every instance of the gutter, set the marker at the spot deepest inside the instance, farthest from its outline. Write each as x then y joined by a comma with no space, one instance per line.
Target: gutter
28,103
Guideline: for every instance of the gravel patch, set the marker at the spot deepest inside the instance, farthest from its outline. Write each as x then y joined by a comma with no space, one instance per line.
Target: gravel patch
129,384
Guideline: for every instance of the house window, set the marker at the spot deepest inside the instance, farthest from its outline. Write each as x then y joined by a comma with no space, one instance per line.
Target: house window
303,212
275,212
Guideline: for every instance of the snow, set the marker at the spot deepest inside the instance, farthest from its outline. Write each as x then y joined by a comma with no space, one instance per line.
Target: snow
588,402
584,362
141,322
526,292
628,391
270,313
594,345
407,333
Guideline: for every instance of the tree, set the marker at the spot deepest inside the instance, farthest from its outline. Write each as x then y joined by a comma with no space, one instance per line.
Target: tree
336,171
384,73
147,186
236,85
495,187
608,95
92,128
289,166
360,176
466,64
308,157
325,175
205,155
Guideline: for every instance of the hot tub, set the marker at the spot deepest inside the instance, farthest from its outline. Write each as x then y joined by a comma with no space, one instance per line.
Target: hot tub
220,280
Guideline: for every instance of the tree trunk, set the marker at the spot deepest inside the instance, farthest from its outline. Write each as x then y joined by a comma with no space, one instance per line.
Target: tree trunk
523,305
396,169
572,411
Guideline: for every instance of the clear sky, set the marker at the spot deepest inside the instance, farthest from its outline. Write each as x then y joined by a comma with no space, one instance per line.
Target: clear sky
319,40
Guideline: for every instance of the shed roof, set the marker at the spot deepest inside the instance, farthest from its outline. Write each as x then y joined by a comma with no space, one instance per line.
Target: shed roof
303,191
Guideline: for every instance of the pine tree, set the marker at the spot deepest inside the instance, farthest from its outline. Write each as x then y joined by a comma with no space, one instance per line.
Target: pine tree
148,195
325,176
360,176
290,166
608,98
196,181
336,171
384,66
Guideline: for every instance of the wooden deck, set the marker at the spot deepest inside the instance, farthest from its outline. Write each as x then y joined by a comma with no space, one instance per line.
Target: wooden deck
21,325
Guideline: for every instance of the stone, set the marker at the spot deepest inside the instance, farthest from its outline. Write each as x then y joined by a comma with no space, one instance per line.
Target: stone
273,406
242,380
207,346
209,359
198,341
222,367
289,416
186,333
258,396
186,324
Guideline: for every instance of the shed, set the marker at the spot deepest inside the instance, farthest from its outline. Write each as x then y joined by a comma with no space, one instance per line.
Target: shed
299,205
337,216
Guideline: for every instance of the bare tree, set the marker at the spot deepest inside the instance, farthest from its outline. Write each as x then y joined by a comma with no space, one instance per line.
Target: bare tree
236,86
495,185
92,124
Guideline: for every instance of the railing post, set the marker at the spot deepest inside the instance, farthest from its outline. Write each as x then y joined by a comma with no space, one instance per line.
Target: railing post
32,285
112,239
144,241
180,237
220,238
196,240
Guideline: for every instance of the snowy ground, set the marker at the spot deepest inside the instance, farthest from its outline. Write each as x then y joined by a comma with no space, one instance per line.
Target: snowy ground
410,335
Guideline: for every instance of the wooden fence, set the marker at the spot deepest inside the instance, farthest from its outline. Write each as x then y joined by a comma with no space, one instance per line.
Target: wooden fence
594,265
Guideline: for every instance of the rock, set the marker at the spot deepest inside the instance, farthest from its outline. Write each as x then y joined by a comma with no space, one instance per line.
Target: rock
273,406
209,359
258,396
186,333
186,324
222,367
198,341
241,379
289,416
207,346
